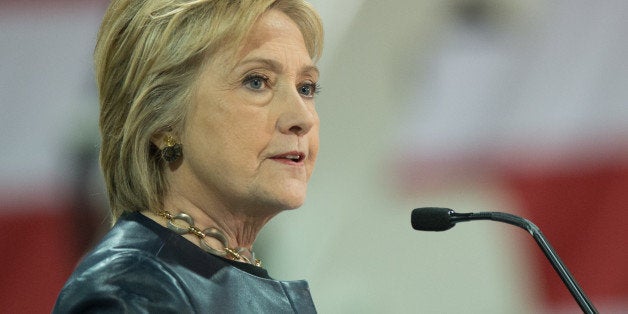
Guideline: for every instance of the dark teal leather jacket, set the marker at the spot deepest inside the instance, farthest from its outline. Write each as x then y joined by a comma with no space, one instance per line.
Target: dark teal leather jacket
142,267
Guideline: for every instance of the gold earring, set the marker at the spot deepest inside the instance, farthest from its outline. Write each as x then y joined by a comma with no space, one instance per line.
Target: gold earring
172,151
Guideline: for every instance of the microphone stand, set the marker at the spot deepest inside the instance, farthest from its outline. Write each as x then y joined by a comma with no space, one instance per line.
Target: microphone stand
575,290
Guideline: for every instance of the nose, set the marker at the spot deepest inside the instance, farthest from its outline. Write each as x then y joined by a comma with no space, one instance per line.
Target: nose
298,115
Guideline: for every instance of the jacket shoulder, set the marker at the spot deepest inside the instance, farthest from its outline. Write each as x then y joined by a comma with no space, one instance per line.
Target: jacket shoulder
129,281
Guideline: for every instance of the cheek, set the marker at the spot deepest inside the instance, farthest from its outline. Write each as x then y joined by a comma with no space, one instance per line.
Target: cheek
314,145
252,130
315,134
313,149
244,139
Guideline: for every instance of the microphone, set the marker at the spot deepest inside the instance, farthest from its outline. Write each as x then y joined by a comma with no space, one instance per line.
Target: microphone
441,219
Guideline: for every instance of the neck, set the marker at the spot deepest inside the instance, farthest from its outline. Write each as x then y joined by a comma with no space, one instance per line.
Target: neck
239,228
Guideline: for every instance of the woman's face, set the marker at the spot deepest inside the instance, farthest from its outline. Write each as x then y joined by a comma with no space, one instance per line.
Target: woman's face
251,136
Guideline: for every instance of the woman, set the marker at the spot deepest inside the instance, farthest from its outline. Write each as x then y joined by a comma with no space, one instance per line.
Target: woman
208,131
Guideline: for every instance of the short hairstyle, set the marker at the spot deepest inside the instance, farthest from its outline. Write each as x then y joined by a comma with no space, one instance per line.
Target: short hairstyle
147,58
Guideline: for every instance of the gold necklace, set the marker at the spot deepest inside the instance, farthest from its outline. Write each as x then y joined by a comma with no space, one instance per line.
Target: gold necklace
189,228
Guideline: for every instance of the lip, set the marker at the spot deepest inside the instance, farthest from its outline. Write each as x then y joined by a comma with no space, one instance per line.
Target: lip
294,158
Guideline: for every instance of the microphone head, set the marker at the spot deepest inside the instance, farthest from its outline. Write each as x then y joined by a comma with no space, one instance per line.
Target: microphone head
432,219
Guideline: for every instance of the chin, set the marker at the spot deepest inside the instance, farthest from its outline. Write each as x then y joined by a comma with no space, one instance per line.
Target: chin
291,201
291,196
274,206
295,205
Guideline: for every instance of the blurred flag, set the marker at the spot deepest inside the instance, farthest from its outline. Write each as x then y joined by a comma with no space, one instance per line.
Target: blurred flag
48,179
541,103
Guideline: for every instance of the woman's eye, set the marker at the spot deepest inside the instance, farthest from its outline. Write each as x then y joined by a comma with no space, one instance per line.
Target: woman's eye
309,89
256,82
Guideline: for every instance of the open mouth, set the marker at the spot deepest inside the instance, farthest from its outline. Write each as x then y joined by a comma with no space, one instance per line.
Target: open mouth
290,157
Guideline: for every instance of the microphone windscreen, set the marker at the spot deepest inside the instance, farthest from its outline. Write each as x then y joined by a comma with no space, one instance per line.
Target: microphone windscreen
432,219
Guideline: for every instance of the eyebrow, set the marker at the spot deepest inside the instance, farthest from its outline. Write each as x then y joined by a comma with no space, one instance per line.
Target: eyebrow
278,67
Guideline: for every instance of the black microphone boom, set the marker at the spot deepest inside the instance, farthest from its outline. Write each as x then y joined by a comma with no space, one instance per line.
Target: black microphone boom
441,219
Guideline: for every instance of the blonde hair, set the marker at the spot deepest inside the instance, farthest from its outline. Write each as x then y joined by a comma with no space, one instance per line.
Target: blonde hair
147,57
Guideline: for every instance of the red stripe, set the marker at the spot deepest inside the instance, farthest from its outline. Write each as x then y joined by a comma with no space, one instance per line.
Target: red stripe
582,214
39,254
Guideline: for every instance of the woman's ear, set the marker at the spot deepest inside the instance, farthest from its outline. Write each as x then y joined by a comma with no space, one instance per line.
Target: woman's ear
158,140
